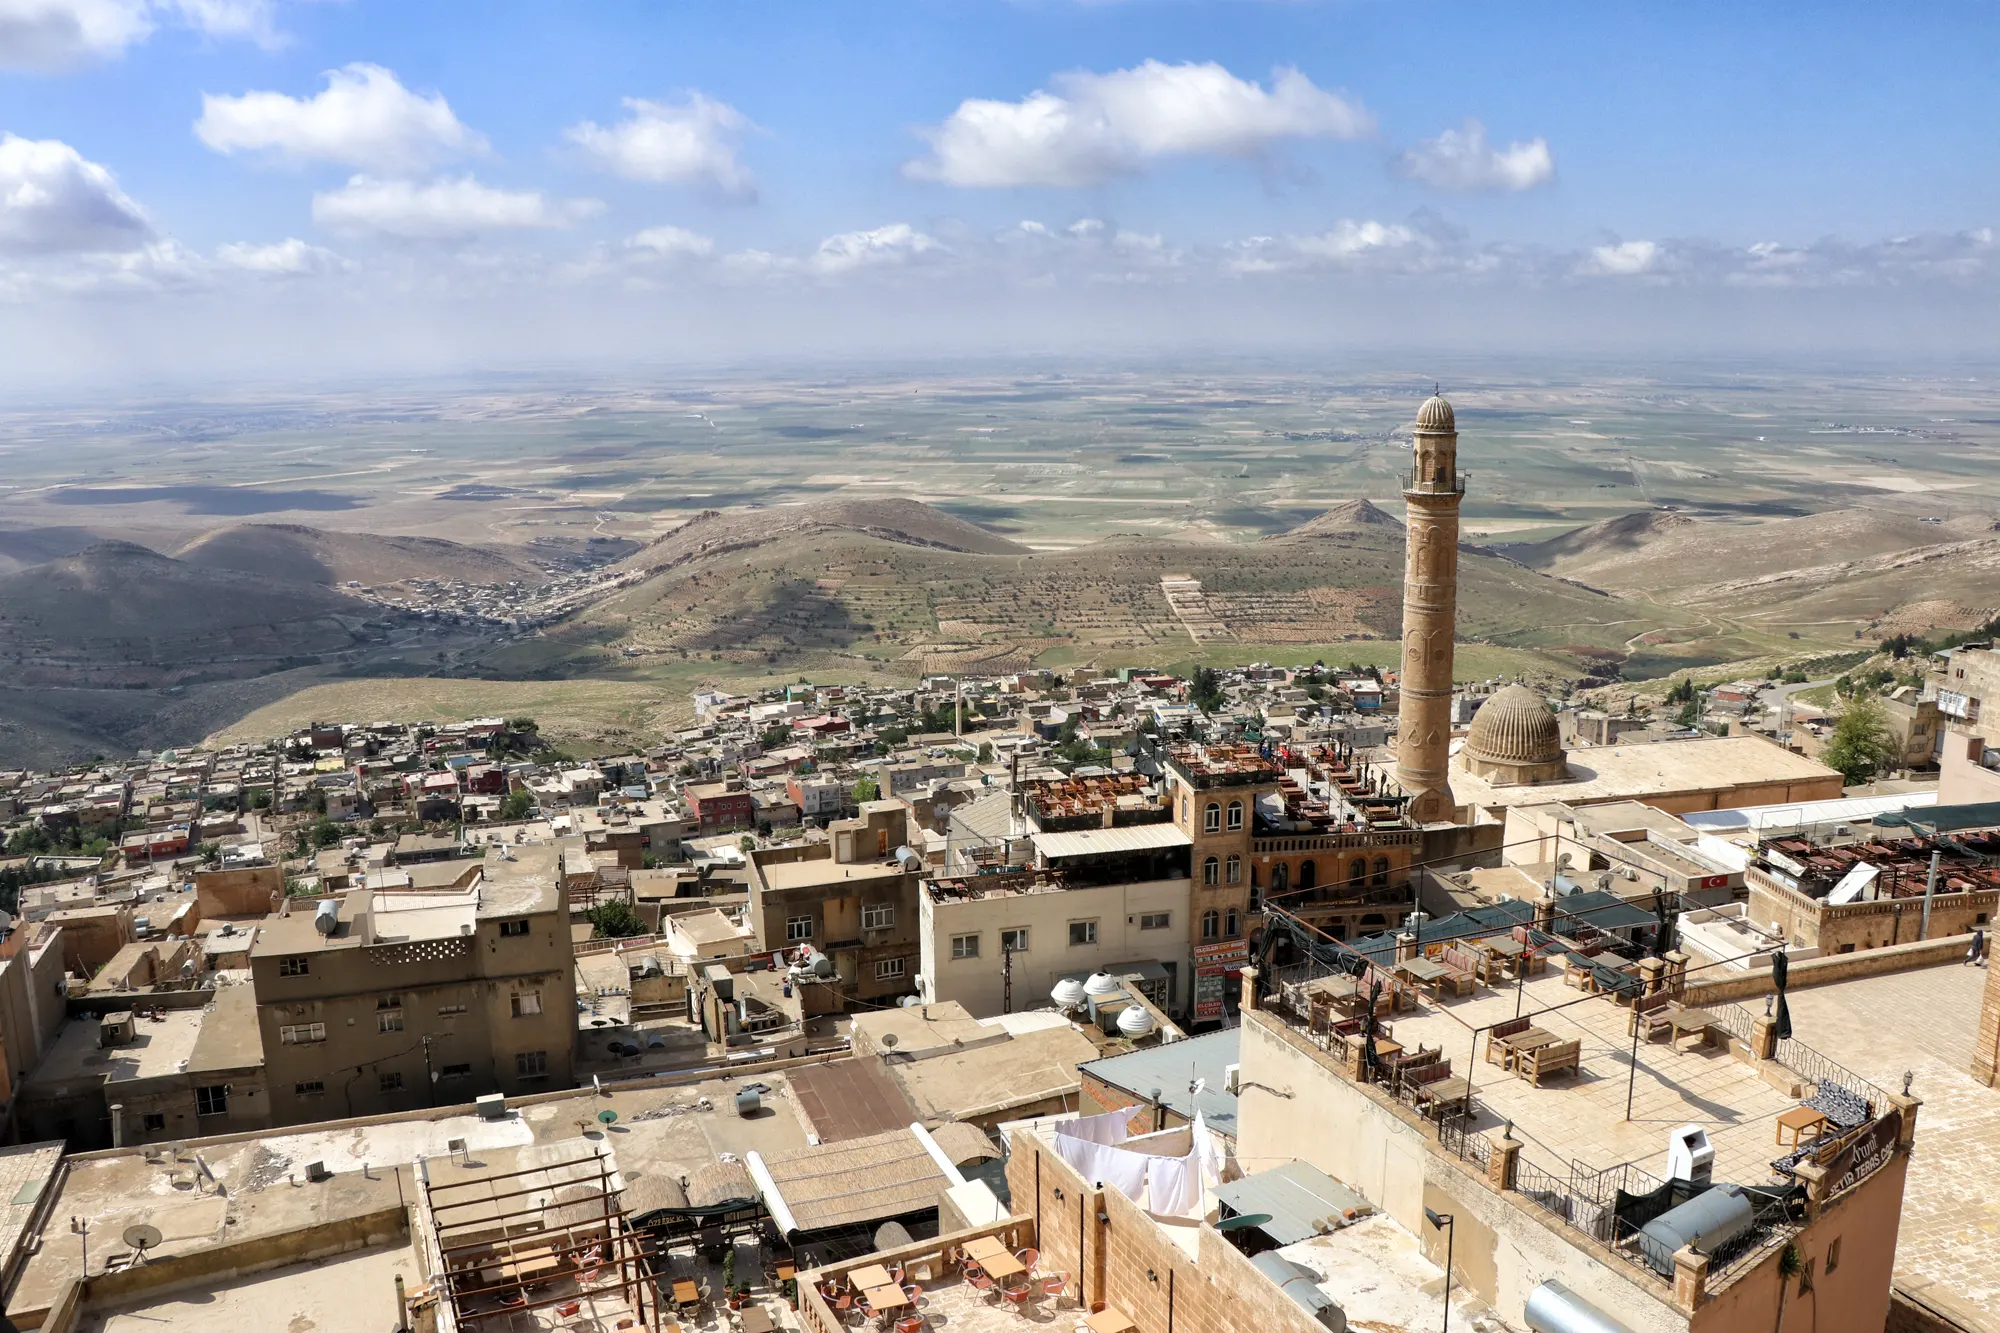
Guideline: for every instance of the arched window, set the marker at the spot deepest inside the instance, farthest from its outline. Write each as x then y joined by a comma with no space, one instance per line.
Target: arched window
1256,898
1357,870
1235,815
1210,924
1229,925
1235,875
1211,818
1281,877
1208,872
1308,876
1381,871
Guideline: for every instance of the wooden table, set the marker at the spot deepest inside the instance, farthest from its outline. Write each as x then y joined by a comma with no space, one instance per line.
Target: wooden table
1520,1043
531,1265
1110,1320
991,1255
685,1291
873,1275
888,1296
1688,1022
1803,1122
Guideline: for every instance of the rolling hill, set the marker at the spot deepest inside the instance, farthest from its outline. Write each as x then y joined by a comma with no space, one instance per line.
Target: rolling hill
294,553
918,592
712,533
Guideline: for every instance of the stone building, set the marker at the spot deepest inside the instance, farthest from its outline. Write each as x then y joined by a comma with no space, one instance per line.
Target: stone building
852,898
418,997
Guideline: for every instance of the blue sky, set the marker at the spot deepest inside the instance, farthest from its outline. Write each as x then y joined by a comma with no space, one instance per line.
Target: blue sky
785,172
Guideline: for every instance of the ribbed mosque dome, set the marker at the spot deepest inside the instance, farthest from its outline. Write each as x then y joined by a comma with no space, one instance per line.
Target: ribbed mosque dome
1515,727
1436,414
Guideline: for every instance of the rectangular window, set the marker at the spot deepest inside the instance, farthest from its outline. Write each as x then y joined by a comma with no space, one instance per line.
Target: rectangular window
1806,1278
447,1010
455,1071
1082,932
527,1003
798,928
212,1100
532,1064
301,1034
1156,920
389,1020
310,1088
1015,940
1833,1255
390,1082
513,928
965,946
294,967
1235,816
888,969
878,916
155,1123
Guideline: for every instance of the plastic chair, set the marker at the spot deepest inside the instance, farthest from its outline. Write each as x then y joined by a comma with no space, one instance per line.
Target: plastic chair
911,1290
1053,1287
1018,1295
910,1324
568,1308
1028,1258
983,1284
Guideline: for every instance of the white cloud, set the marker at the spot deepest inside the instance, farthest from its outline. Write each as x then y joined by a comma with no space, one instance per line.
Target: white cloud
1463,159
365,118
1623,259
449,209
47,35
1350,240
1097,126
53,199
289,258
695,142
897,243
671,243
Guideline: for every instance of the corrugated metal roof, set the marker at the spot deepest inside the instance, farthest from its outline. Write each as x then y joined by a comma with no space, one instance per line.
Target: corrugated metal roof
1296,1196
1099,841
1165,1072
1846,810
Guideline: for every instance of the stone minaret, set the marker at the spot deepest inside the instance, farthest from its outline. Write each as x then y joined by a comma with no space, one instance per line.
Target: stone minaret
1430,613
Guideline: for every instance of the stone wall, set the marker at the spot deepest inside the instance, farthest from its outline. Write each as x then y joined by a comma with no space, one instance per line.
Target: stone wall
1986,1046
1717,985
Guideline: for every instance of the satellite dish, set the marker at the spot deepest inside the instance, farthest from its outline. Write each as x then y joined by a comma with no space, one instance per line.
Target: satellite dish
889,1040
142,1236
607,1117
1243,1222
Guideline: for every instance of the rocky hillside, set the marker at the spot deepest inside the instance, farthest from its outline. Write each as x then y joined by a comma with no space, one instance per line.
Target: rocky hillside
294,553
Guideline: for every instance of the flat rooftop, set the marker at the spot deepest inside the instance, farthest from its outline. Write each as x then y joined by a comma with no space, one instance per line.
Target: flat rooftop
1926,1021
160,1045
355,1291
1582,1118
782,875
1660,768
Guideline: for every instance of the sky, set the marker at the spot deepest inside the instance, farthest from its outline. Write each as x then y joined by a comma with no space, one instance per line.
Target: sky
312,188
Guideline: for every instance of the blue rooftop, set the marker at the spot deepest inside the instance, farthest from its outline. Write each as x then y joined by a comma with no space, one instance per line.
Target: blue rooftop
1163,1074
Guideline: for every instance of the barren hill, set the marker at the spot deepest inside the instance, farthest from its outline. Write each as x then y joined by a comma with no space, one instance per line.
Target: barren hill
23,547
1657,552
293,553
932,608
905,522
1600,541
1346,518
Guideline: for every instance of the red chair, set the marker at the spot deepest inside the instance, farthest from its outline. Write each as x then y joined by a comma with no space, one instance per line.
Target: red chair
983,1284
1027,1258
1018,1295
911,1291
910,1324
1052,1287
568,1308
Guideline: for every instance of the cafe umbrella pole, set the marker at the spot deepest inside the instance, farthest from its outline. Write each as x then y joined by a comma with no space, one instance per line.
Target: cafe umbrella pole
1632,1074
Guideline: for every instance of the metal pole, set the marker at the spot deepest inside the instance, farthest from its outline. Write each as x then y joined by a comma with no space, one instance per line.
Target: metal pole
1450,1236
1632,1074
1930,887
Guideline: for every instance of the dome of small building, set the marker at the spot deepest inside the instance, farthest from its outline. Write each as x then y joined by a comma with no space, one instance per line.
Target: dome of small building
1436,414
1514,738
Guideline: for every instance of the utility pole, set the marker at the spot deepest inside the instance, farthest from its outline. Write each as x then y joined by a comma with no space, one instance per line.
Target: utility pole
1930,887
1006,977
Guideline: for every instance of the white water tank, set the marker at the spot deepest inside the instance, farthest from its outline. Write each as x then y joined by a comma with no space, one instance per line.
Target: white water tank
1134,1021
326,917
1068,993
1101,984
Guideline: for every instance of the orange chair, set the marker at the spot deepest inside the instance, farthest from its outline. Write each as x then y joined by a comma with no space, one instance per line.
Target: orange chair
568,1308
1028,1258
1052,1287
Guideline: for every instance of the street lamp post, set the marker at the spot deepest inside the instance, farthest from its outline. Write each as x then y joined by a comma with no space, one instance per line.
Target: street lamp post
1443,1222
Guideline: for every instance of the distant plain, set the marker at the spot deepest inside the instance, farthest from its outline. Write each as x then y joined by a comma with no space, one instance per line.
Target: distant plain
1091,487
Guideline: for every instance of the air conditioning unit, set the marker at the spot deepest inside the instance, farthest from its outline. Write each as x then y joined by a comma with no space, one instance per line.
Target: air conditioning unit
1231,1076
492,1106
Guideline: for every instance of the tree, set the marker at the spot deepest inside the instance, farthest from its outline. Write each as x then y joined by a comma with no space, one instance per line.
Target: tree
211,852
867,789
775,737
614,919
1681,692
1205,689
986,752
517,805
1860,746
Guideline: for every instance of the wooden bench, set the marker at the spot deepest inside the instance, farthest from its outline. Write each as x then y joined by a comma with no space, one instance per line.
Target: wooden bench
1651,1016
1537,1064
1496,1045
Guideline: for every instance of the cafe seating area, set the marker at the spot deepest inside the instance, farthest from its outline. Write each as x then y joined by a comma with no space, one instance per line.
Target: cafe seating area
969,1282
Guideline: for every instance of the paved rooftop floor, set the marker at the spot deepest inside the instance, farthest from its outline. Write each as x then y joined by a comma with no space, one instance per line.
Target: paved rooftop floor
1582,1117
1925,1022
354,1291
